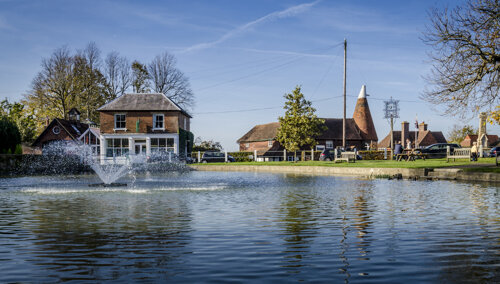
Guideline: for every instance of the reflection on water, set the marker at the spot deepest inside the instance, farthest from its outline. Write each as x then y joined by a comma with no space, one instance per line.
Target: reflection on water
213,227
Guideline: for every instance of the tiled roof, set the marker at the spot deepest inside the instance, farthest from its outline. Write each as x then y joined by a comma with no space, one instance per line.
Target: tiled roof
261,132
269,131
425,138
73,128
142,102
334,131
467,142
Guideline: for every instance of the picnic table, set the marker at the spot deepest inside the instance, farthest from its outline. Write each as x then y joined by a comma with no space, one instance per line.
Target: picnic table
410,155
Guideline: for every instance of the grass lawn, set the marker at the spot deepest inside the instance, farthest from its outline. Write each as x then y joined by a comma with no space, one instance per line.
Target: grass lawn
429,163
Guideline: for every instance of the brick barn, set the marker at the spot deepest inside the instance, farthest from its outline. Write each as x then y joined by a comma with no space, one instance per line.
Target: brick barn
360,132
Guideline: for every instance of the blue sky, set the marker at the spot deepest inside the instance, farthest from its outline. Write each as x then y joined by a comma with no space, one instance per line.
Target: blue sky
242,56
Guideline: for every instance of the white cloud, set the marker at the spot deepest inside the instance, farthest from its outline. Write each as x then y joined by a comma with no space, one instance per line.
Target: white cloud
289,12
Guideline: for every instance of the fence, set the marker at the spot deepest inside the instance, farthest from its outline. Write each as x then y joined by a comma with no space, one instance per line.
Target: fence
283,155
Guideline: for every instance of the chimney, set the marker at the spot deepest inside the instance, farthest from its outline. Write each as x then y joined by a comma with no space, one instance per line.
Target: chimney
405,132
422,127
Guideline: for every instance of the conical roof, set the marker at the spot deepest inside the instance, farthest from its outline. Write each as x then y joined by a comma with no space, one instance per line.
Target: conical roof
363,117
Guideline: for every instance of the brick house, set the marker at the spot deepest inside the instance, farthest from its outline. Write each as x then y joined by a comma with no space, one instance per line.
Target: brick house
67,131
134,124
360,132
492,140
424,136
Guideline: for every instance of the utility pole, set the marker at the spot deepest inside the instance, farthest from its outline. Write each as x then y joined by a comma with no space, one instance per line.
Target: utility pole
392,136
345,67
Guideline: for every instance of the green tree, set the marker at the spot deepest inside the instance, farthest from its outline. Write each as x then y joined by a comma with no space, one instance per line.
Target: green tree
9,136
208,145
466,57
22,117
140,77
458,133
300,126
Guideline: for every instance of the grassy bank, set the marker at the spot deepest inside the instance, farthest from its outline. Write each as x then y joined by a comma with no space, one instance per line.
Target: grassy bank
485,163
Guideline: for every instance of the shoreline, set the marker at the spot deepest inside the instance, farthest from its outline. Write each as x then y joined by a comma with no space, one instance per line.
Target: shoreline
406,173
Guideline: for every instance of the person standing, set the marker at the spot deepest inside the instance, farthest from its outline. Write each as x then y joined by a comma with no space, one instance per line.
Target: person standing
473,151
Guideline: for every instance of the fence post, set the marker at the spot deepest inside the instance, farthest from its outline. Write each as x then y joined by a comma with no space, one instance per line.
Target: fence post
225,156
385,153
284,155
255,155
312,154
199,157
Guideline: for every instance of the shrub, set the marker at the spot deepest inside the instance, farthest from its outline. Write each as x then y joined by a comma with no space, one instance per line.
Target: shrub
242,156
372,155
9,136
19,149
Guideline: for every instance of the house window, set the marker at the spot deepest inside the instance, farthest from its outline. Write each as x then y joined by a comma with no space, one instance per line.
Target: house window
56,130
270,143
320,147
158,121
162,145
117,147
247,145
120,121
329,144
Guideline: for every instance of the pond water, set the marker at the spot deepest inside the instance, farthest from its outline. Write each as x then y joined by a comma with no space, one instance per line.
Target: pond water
248,227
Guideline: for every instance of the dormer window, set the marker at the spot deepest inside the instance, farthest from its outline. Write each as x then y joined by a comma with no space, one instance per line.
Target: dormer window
158,121
120,122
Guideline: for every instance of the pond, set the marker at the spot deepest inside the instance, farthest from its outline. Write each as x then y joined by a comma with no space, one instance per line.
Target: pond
248,227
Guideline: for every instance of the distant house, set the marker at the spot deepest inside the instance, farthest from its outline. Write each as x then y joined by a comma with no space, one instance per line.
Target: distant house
134,124
360,132
492,140
65,131
424,137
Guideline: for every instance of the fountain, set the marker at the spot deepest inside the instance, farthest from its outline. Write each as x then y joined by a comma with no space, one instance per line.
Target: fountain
64,158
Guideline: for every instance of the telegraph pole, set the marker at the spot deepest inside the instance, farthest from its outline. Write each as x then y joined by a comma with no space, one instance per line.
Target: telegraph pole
345,67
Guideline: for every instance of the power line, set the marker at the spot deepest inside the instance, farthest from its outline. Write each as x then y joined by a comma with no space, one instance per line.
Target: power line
263,108
276,107
297,58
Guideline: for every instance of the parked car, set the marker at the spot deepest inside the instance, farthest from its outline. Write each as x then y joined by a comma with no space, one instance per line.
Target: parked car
165,157
494,151
327,155
438,150
215,157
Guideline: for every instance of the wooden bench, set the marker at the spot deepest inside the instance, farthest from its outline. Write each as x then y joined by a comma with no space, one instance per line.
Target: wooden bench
458,153
346,156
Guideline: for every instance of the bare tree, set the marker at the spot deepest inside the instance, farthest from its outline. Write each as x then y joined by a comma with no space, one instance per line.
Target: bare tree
466,57
117,72
169,80
54,87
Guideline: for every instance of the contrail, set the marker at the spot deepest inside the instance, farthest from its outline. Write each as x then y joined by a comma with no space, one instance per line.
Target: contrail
289,12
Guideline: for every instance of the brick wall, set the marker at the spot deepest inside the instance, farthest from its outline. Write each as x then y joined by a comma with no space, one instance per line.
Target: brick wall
173,120
259,146
50,136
